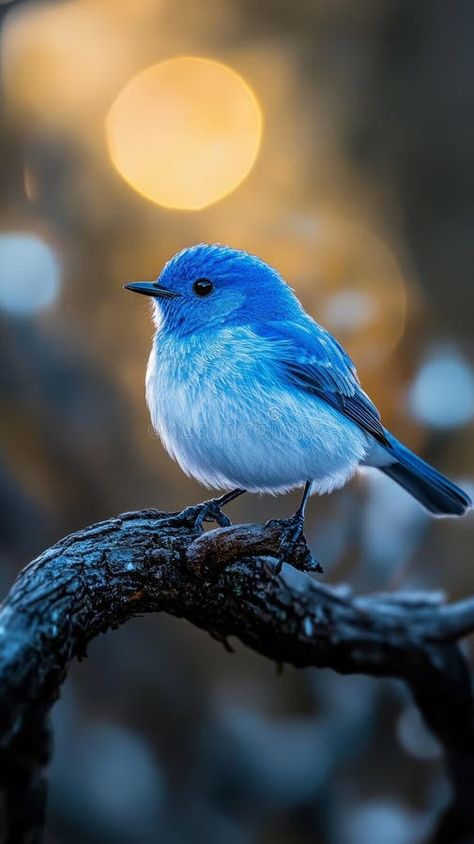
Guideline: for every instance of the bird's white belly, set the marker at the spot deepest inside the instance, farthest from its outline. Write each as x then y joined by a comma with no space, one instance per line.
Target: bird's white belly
228,427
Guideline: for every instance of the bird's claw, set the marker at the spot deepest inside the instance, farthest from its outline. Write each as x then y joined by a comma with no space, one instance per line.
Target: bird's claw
293,547
207,511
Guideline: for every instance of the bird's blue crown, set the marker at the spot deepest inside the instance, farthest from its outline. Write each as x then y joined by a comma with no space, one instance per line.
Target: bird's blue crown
218,285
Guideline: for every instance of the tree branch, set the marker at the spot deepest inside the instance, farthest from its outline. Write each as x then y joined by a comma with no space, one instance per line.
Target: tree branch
221,581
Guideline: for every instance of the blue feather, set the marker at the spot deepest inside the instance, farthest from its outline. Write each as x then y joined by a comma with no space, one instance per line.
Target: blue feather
432,489
312,360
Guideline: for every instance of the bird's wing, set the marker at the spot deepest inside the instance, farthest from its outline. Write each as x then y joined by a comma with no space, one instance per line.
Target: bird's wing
309,358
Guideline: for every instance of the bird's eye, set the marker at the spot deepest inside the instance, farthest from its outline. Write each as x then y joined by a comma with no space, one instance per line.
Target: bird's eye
203,287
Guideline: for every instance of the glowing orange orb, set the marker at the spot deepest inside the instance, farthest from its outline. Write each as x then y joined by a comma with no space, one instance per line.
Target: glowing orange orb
185,132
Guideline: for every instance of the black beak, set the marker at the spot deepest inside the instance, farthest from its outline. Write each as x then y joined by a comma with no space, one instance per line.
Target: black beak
151,288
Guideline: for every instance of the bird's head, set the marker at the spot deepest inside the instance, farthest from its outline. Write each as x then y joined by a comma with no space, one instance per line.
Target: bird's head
205,286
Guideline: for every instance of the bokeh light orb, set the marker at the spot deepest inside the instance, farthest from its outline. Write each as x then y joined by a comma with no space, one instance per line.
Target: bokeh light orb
29,274
442,393
185,132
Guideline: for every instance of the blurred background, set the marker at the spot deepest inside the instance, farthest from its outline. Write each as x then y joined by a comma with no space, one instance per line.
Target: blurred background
334,139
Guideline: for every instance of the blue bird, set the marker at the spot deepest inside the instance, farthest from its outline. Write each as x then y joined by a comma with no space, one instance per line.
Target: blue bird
249,394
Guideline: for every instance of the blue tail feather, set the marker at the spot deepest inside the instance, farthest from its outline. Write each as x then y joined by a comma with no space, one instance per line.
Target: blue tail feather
432,489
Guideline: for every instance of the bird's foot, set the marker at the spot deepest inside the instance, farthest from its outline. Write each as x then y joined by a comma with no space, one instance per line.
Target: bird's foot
293,547
207,511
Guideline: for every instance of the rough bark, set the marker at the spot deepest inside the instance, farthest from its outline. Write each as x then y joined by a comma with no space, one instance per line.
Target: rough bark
221,581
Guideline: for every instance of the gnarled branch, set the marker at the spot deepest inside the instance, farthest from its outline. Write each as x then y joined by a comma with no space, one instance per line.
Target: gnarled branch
221,581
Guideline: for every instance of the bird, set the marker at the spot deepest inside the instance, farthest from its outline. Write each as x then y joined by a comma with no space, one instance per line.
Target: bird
248,393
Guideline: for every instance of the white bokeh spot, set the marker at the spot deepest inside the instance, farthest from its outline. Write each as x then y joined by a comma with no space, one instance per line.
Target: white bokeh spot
442,393
29,274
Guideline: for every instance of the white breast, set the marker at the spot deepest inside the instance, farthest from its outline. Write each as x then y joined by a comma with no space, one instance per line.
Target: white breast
229,422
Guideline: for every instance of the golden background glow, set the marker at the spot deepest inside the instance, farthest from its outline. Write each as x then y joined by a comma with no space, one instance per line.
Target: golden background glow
62,61
185,132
